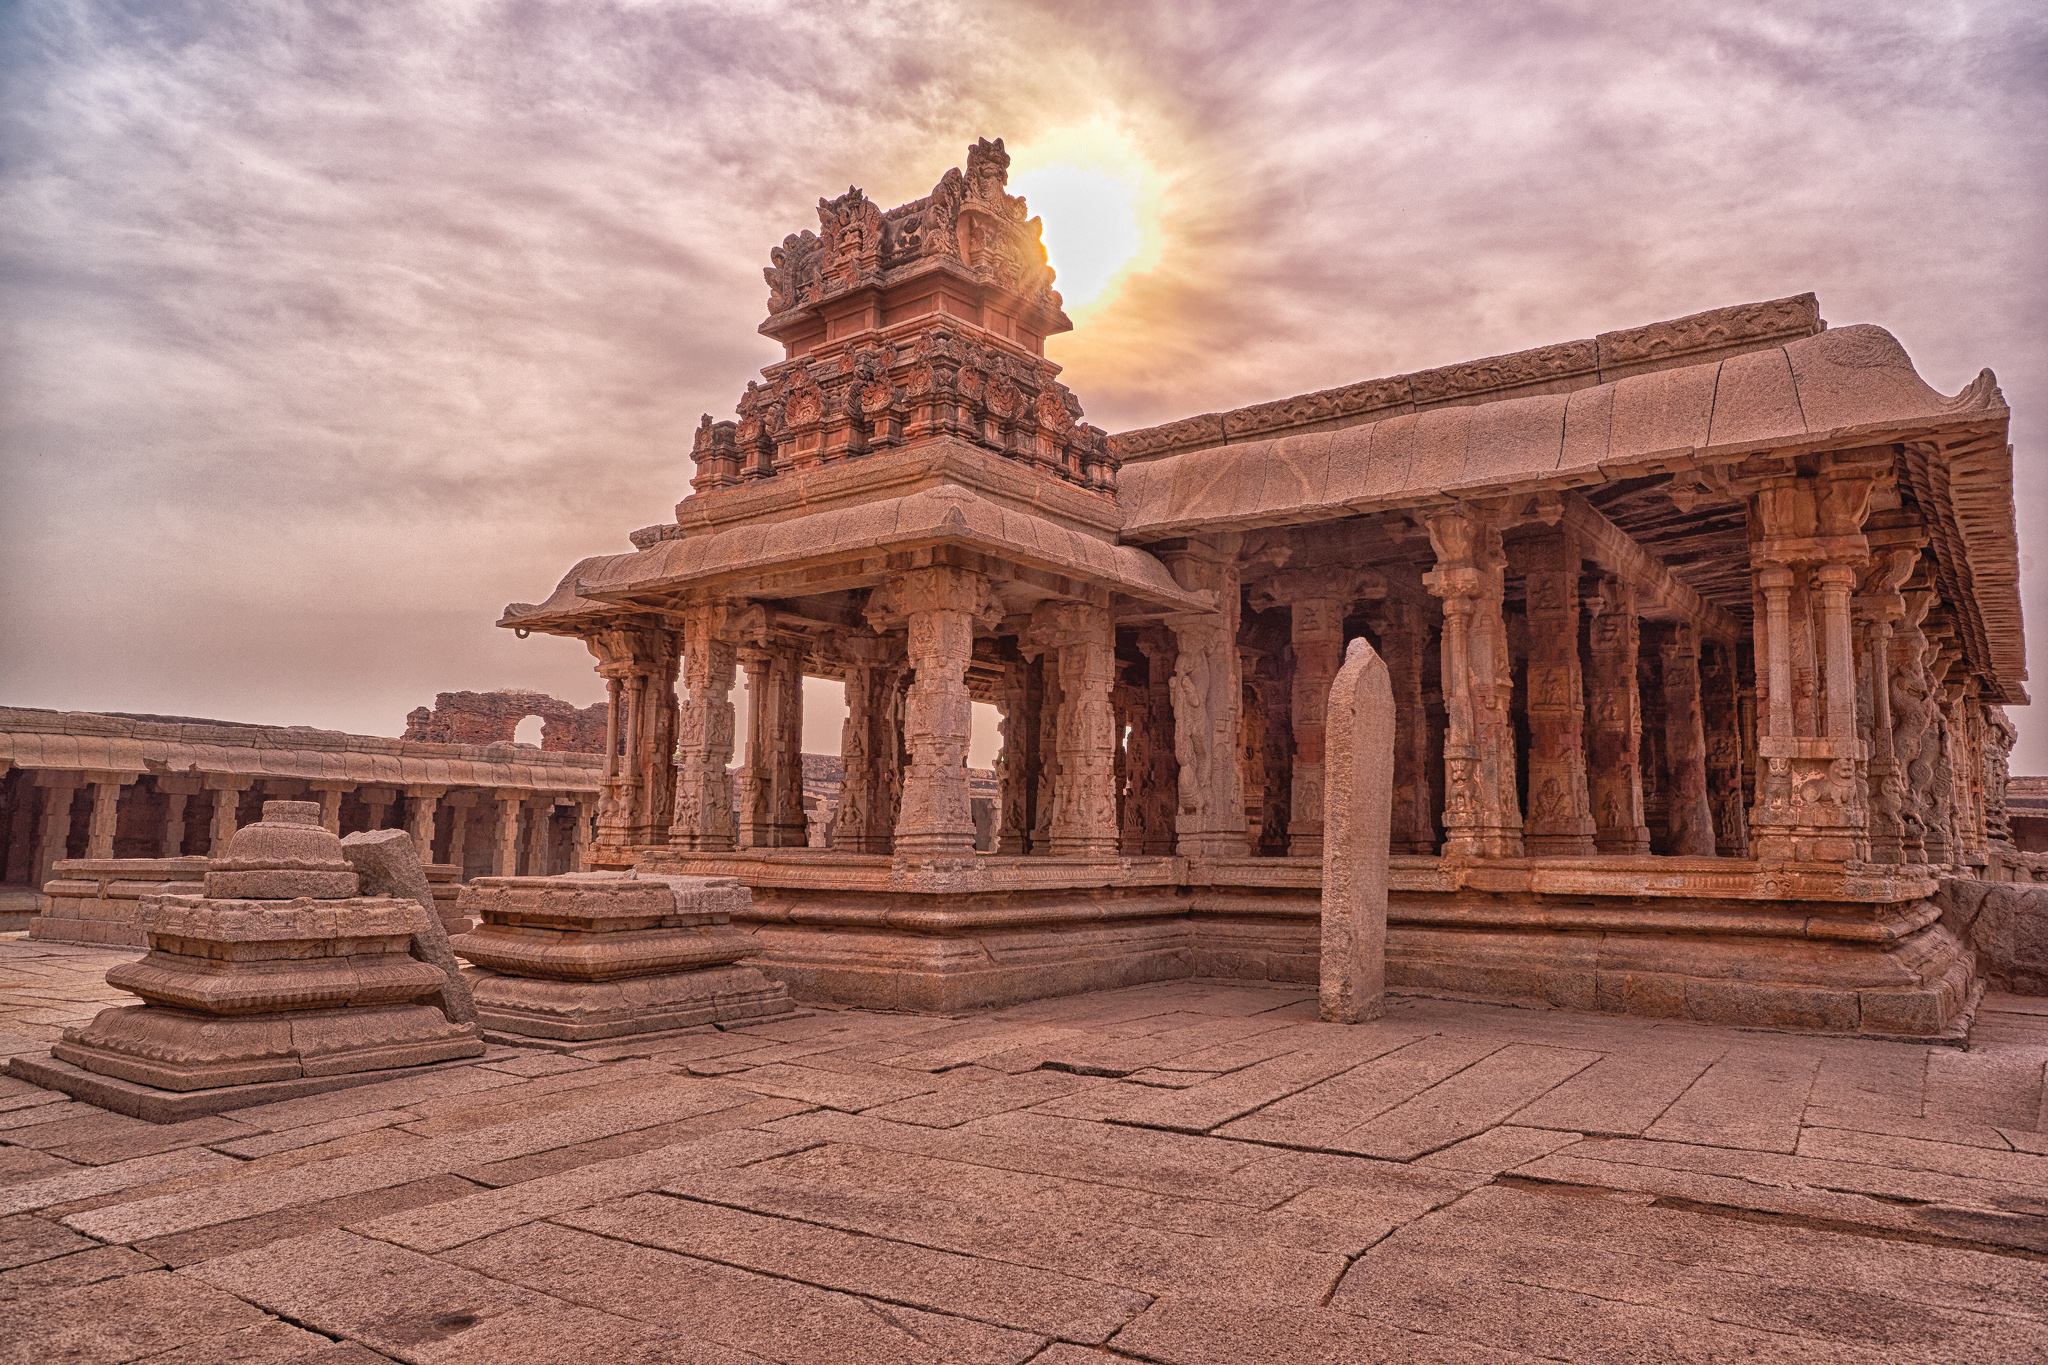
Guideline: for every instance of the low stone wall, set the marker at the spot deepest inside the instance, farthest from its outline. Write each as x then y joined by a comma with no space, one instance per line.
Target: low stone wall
2006,924
95,900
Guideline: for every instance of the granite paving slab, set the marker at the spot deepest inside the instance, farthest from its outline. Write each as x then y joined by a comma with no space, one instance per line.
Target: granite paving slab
1192,1171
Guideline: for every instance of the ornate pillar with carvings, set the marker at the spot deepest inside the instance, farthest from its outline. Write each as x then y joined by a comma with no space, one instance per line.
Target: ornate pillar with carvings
786,748
1721,716
1317,634
637,805
1614,772
868,745
1207,691
703,806
1807,550
1879,609
1080,642
939,607
1016,774
756,825
1482,816
1689,815
505,835
1404,642
1155,786
1560,822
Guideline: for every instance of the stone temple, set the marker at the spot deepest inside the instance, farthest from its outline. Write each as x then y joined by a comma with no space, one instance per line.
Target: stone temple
1699,635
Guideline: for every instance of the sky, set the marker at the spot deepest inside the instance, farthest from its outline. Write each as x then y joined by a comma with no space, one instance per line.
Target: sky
330,329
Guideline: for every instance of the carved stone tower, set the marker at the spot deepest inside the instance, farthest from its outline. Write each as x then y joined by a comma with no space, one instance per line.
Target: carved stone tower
927,320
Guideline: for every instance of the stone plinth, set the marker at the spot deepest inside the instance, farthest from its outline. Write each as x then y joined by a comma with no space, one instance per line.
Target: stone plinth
278,972
99,900
584,958
958,932
1712,940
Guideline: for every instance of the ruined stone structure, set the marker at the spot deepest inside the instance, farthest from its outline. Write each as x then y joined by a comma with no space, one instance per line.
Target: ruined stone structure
1697,635
279,969
493,718
98,810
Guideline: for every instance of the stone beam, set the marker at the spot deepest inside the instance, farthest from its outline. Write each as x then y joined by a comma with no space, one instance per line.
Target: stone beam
1660,594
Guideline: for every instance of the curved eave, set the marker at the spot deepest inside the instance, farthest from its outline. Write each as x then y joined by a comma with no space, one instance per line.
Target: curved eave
1846,385
932,516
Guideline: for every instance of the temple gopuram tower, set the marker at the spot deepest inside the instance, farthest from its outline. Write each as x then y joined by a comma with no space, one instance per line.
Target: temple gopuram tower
1698,634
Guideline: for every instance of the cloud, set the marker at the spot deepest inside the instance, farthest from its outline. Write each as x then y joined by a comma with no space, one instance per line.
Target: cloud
332,328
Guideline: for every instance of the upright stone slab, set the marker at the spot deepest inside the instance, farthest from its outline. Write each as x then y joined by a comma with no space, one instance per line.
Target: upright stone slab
279,971
387,863
1357,821
585,958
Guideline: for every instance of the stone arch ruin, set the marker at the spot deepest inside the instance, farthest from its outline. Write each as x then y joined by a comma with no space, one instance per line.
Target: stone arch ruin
493,718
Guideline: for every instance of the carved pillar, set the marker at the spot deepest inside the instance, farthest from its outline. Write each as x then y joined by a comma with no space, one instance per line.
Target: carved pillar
422,803
703,807
1207,692
940,607
1155,786
505,833
1481,810
1880,609
377,801
614,809
540,837
1129,745
227,795
1317,634
786,749
756,824
1689,814
1404,644
1016,774
1614,775
462,803
178,791
868,746
1560,822
579,835
637,802
59,789
1045,742
1721,716
106,804
1806,548
330,794
1081,645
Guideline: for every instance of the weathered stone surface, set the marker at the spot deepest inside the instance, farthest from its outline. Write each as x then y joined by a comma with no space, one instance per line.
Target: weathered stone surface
241,992
1359,800
580,960
387,863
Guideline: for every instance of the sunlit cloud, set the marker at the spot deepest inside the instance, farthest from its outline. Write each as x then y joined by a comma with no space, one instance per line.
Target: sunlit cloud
332,328
1101,202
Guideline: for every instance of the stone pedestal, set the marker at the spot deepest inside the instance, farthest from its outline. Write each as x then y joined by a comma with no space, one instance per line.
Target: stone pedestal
581,959
278,971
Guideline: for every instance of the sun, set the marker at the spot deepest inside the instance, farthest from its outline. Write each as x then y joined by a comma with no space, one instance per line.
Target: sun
1099,198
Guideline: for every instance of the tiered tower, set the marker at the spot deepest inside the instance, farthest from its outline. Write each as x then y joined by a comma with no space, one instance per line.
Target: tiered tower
926,320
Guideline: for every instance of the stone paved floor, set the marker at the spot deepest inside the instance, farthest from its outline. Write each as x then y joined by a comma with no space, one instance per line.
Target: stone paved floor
1192,1172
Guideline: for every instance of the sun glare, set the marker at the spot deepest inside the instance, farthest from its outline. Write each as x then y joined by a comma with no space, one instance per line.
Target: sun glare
1098,198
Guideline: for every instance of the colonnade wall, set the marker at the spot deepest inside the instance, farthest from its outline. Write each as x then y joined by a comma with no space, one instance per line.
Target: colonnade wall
92,789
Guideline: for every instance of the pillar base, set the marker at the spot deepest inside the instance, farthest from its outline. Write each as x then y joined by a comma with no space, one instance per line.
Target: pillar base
181,1050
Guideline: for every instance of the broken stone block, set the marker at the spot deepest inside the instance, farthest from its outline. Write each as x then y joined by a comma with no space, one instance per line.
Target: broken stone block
578,958
388,864
279,970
